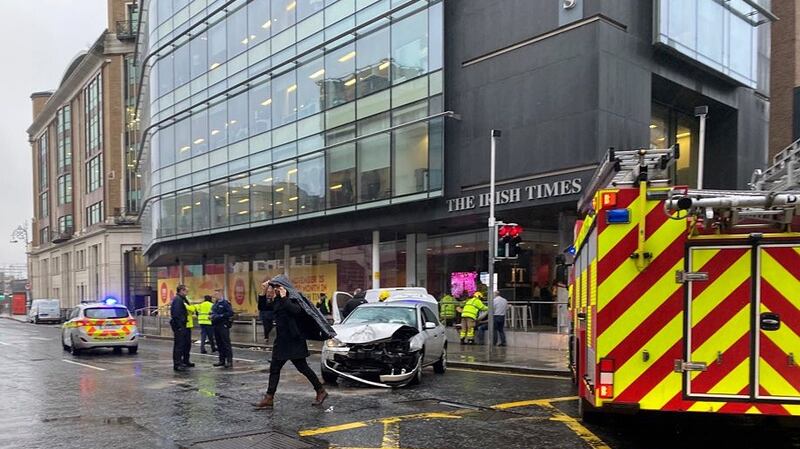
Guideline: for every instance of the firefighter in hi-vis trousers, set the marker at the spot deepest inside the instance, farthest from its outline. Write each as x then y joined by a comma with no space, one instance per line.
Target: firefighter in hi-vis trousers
469,313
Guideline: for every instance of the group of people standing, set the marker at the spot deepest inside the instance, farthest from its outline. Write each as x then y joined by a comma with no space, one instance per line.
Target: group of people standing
280,306
214,316
474,316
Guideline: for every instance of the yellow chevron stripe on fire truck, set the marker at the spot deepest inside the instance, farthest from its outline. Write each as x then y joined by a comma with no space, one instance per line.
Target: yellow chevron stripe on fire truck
722,287
626,273
668,336
774,382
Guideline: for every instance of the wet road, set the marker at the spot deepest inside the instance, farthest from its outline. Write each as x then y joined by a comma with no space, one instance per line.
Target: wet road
103,400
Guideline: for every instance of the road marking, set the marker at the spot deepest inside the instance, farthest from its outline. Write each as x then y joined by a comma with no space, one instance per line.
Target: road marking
501,373
40,338
585,434
538,402
235,358
390,419
5,344
83,364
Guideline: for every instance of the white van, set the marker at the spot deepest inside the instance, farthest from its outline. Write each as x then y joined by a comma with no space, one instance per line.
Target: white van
45,310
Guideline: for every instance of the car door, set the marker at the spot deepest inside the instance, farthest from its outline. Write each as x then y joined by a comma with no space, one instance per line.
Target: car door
337,305
67,327
434,338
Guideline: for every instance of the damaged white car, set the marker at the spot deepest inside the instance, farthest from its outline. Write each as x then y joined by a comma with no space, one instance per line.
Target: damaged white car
386,344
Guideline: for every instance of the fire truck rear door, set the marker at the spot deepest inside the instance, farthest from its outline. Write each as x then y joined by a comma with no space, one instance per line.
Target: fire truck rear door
778,322
718,322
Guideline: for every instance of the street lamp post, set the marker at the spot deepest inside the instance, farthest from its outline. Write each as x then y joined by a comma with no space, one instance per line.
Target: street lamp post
20,233
492,244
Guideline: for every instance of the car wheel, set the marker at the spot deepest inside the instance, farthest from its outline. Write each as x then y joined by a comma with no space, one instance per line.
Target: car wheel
133,349
117,350
63,345
36,320
328,376
417,379
73,349
441,365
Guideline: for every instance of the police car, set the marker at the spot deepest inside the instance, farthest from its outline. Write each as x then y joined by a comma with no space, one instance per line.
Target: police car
100,325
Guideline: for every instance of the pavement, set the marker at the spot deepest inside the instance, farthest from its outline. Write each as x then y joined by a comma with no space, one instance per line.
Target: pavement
52,399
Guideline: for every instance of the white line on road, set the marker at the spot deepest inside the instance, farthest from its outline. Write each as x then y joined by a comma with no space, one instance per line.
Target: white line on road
235,358
40,338
83,364
503,373
5,344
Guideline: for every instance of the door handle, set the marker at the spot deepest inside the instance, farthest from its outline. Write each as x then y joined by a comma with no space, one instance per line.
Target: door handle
770,321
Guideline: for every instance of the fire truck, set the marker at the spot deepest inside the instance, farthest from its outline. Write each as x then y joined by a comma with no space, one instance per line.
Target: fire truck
686,300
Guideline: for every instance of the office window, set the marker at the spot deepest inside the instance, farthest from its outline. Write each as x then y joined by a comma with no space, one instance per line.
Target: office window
410,47
310,88
182,62
285,189
94,173
261,195
64,137
166,146
218,124
65,225
198,54
183,139
340,78
311,184
341,175
43,161
200,213
284,13
239,199
93,112
237,118
219,204
166,74
238,37
410,144
372,57
166,216
44,205
284,99
260,100
184,208
199,132
44,237
94,213
259,22
65,189
216,45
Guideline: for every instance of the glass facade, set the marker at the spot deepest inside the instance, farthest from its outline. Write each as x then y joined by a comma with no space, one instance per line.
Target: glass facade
284,109
669,126
718,34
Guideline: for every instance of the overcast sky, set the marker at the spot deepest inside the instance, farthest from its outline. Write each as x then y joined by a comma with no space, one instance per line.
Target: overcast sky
38,38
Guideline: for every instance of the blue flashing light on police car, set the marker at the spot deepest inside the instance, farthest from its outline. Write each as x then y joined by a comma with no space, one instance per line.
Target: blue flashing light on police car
110,301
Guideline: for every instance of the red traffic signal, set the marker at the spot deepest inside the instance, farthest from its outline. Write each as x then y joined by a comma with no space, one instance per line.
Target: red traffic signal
512,231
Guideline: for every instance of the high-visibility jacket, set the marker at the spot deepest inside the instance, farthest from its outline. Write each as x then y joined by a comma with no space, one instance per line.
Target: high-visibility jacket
447,307
472,307
191,314
203,312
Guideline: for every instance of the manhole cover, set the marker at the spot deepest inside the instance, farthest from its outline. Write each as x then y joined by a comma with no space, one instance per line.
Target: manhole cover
250,440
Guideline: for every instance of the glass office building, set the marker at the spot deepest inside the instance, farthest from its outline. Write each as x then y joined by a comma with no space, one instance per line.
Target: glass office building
267,111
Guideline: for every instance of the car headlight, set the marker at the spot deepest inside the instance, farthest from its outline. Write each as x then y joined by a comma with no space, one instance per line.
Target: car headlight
335,343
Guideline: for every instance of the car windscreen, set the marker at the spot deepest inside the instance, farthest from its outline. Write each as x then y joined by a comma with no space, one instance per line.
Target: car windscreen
106,312
395,315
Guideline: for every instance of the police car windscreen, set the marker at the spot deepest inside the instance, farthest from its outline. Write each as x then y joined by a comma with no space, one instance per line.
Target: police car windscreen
106,312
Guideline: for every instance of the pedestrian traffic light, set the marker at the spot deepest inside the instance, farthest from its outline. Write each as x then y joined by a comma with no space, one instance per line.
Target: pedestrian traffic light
509,237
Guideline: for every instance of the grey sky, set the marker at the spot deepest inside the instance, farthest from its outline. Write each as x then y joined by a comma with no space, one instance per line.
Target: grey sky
38,38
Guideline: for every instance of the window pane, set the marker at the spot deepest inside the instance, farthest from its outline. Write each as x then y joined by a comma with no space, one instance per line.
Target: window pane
340,79
184,210
237,33
217,123
436,153
311,184
167,215
741,53
682,21
165,73
261,109
410,47
285,193
259,22
410,159
310,82
341,175
710,38
239,200
373,168
284,99
182,64
237,118
373,62
219,205
200,215
261,195
306,8
199,132
283,14
199,55
436,38
183,139
216,45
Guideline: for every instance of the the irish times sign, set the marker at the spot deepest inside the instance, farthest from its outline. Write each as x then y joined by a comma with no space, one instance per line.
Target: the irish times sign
529,193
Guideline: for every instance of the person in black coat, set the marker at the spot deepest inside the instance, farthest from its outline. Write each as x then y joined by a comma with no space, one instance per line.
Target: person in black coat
178,318
290,340
359,297
266,308
221,320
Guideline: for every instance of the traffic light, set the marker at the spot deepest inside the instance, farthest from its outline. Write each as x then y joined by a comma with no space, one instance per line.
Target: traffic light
509,236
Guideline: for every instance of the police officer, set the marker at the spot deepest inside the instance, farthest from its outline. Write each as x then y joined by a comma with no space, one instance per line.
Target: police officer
204,320
221,316
178,317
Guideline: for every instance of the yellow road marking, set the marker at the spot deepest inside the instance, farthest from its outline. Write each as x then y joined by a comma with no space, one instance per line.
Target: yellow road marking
532,402
390,419
585,434
501,373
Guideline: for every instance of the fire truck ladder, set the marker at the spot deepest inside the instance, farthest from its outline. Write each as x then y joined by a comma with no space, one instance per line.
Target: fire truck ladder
773,200
621,168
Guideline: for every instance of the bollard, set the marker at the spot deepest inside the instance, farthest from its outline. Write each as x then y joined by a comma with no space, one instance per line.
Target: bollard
255,331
